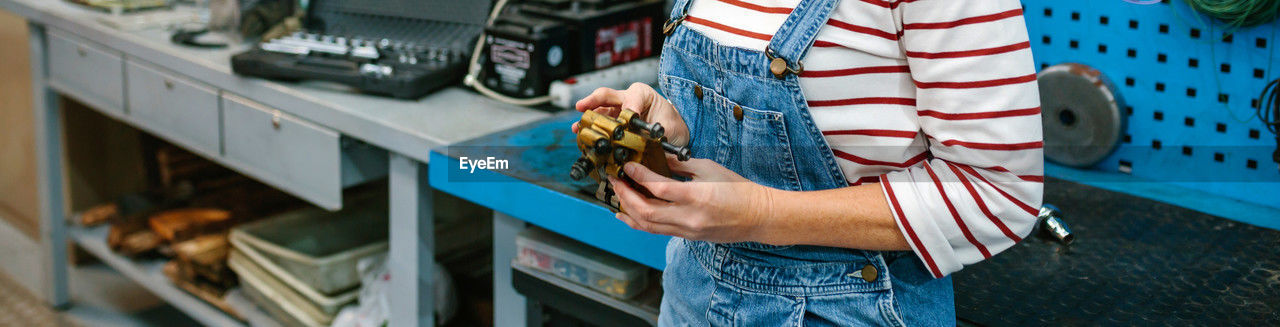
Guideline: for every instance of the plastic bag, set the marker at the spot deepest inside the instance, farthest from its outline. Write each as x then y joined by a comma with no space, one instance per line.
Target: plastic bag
373,308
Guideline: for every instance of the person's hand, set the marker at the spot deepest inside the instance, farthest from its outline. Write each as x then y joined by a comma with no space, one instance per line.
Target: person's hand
716,204
642,99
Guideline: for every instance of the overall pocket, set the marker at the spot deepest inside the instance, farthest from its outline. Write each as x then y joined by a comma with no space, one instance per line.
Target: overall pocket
759,289
760,146
705,128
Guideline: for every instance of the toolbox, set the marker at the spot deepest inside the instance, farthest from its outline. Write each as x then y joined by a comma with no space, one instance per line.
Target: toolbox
400,48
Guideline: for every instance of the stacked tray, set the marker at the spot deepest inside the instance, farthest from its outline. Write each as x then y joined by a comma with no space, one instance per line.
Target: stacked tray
301,266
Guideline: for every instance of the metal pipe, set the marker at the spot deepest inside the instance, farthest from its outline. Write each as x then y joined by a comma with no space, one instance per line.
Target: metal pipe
1051,225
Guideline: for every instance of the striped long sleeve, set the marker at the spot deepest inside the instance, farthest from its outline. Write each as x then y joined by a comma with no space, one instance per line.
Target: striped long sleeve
978,191
936,100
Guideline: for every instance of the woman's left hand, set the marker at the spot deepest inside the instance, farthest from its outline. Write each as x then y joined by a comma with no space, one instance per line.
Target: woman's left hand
716,204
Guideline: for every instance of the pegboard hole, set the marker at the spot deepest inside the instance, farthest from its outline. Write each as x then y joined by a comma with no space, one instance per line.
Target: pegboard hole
1102,48
1155,144
1073,44
1132,53
1128,110
1044,65
1251,164
1253,103
1219,157
1164,28
1128,138
1190,122
1128,81
1221,128
1160,57
1225,68
1048,12
1228,38
1125,167
1133,24
1159,87
1195,33
1044,39
1186,150
1104,20
1258,73
1261,43
1254,134
1193,63
1223,98
1075,15
1158,115
1191,92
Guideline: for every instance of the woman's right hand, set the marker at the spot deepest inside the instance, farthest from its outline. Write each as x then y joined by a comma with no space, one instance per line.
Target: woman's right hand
642,99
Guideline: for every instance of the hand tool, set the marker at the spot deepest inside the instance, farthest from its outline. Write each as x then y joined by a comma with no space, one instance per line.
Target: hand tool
607,143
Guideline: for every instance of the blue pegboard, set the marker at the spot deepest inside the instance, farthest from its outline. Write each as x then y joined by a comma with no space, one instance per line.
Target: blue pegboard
1189,83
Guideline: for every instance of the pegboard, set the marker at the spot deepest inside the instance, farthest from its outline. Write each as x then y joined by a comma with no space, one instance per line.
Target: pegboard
1189,83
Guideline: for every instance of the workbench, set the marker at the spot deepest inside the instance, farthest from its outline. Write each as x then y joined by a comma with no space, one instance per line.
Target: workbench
1134,260
308,139
535,188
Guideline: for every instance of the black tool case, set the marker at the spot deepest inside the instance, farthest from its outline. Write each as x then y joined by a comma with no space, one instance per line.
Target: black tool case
607,32
525,53
535,42
436,35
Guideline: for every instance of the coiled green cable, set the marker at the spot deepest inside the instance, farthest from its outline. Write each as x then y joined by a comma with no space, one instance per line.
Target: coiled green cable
1239,13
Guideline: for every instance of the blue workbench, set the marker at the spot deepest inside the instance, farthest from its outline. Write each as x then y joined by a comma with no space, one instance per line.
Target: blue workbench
536,188
532,187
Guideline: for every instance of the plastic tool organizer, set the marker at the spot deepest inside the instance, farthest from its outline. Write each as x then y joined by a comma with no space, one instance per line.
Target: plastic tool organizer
442,23
1189,89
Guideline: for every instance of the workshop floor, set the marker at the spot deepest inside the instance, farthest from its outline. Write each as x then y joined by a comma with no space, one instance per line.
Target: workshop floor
100,296
20,308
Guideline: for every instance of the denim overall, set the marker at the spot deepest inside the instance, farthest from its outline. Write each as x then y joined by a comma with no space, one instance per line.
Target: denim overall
743,116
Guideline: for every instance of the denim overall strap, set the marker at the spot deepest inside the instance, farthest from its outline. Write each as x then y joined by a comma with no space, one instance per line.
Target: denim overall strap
791,43
680,7
678,11
798,32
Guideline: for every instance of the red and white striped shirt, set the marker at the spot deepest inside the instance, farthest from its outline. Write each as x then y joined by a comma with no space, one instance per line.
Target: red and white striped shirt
935,99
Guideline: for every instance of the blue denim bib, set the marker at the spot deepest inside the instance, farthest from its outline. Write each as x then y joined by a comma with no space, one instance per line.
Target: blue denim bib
755,122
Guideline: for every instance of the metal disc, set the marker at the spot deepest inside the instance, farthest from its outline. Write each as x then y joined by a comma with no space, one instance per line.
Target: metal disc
1080,114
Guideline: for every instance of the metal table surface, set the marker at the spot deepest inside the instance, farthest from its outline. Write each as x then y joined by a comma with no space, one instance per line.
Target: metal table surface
407,130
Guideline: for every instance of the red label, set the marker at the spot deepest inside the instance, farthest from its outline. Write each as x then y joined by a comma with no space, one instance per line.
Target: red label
623,43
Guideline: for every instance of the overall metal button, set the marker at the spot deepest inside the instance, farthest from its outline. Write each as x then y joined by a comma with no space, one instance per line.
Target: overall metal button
778,67
697,91
869,273
737,112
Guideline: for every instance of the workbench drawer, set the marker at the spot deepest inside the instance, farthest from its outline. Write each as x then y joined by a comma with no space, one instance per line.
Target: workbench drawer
306,160
89,73
182,111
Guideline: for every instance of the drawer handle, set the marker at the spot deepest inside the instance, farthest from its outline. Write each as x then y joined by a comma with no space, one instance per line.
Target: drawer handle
168,85
275,119
81,52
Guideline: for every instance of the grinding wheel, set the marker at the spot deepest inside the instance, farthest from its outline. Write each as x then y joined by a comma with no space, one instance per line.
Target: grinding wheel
1080,113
